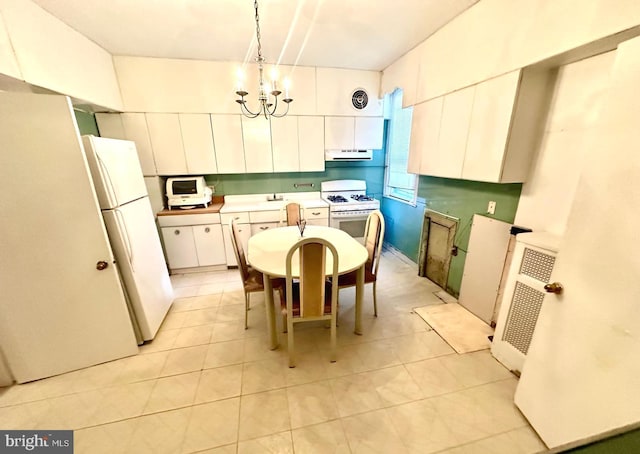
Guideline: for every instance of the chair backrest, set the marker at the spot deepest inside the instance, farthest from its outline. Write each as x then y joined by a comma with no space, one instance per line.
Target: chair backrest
312,258
239,250
373,237
291,213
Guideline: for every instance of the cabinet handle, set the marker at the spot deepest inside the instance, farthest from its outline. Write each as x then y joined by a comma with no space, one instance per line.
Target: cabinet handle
176,232
264,228
316,213
236,218
207,230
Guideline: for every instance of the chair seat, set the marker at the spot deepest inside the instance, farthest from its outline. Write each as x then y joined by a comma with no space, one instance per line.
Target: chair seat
349,279
255,281
296,299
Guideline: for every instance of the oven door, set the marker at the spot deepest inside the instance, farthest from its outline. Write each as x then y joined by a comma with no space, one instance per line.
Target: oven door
352,222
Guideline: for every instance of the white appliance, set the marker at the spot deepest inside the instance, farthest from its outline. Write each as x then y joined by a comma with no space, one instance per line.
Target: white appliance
130,223
63,305
348,155
188,192
349,205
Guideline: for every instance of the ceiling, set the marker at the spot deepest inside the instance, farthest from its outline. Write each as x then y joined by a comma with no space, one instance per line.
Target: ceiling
357,34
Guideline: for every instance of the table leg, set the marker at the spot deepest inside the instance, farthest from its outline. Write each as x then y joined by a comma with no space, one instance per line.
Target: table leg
271,315
359,294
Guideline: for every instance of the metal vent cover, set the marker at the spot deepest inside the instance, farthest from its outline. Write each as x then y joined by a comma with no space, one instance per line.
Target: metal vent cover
359,99
537,265
523,316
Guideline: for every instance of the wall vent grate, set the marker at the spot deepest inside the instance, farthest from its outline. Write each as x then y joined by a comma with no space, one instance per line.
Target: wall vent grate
523,316
537,265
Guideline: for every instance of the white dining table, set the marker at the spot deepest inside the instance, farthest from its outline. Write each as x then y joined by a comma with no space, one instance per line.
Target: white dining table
267,252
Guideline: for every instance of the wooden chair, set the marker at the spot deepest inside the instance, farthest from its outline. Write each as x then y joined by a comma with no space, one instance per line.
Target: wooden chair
311,297
373,237
252,280
290,214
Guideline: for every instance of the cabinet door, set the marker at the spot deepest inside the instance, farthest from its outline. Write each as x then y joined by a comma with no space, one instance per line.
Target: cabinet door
284,142
256,134
368,133
227,137
425,130
166,141
110,125
180,246
489,128
135,129
339,133
209,244
454,127
311,143
263,226
197,139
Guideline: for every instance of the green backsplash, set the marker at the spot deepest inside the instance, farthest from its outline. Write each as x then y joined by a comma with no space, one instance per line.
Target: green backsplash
458,198
86,122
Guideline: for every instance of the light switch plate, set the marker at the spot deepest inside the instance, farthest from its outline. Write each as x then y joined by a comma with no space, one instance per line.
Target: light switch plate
491,208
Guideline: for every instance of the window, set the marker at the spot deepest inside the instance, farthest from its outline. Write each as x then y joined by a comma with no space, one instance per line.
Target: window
398,184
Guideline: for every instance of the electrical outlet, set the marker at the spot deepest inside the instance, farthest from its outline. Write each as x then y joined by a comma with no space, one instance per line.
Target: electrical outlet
491,208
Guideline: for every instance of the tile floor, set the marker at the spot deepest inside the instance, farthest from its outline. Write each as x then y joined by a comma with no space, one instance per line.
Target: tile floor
207,385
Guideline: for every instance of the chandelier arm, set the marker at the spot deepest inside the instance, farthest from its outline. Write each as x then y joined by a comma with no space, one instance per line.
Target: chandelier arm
247,113
282,114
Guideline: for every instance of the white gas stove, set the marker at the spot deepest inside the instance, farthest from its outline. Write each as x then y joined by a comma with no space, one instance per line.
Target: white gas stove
349,205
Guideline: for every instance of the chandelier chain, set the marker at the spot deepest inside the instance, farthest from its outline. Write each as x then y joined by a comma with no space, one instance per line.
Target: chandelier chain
255,5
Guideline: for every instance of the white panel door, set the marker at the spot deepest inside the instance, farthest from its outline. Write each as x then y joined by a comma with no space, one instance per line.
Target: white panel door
368,133
180,246
454,127
284,143
227,137
135,128
311,144
166,141
197,139
489,128
488,245
580,378
59,311
209,244
339,133
110,125
256,134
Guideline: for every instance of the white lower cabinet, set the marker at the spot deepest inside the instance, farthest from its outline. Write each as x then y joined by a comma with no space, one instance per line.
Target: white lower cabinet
193,240
317,216
244,230
262,226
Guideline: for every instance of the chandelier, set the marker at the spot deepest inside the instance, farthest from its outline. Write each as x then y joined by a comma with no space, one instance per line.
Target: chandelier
267,92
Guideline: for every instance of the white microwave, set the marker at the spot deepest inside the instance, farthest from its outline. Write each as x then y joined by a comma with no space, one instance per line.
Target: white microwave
188,192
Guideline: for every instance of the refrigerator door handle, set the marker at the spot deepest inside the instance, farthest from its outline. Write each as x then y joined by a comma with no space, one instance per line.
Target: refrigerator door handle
108,182
123,226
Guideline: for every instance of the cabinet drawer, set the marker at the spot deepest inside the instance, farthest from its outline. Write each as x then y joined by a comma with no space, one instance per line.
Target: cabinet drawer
241,217
189,219
316,213
264,216
262,226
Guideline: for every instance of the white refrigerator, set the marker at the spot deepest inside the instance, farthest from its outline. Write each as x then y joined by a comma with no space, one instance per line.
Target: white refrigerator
130,222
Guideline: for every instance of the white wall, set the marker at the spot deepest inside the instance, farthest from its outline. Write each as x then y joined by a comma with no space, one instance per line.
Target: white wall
54,56
8,62
548,194
497,36
197,86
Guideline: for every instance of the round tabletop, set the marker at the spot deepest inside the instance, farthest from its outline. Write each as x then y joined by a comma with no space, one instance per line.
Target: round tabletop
267,251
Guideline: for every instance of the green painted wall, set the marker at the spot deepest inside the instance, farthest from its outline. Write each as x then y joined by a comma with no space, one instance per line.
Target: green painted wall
625,443
459,198
86,123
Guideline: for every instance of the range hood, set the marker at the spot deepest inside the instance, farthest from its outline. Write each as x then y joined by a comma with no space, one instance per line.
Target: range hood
348,155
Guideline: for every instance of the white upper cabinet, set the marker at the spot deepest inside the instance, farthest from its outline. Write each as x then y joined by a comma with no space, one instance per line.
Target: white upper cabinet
339,133
256,134
454,127
506,116
425,132
284,143
197,139
368,133
166,141
311,143
130,126
227,137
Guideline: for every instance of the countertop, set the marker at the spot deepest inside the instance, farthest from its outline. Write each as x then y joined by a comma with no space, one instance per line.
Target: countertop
214,207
